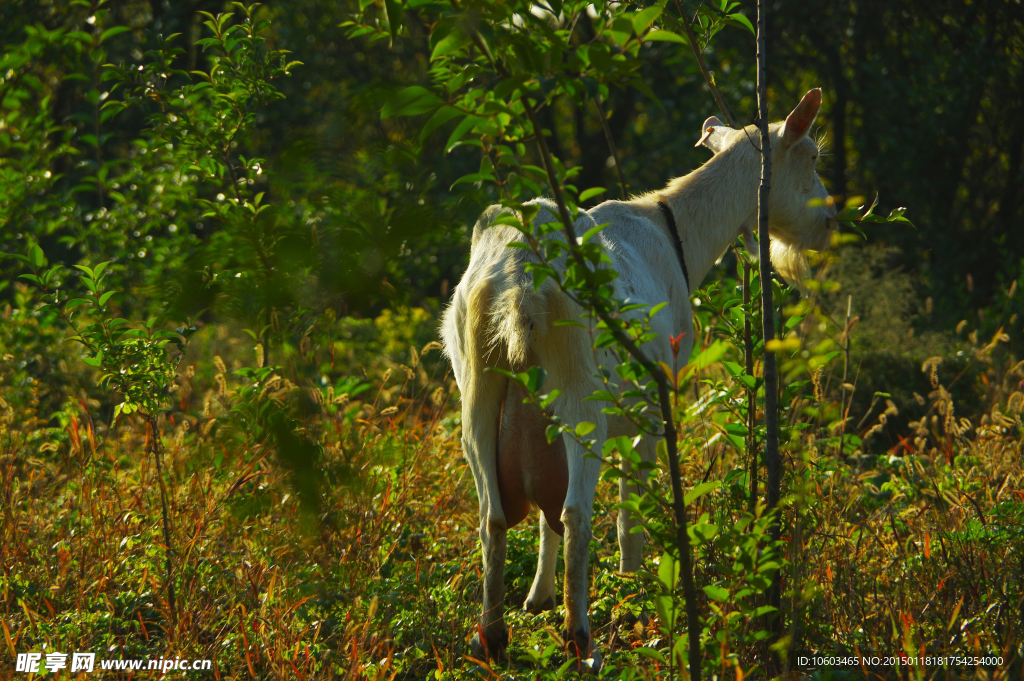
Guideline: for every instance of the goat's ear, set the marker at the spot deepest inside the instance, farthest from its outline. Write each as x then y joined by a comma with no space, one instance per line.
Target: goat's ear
802,117
712,135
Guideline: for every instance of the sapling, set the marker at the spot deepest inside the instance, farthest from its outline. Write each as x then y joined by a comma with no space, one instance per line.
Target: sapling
137,362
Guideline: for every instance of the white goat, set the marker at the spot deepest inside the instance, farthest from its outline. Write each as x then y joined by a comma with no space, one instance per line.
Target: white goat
496,319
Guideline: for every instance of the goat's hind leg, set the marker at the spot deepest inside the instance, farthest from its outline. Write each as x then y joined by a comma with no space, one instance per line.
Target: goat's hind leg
481,408
493,539
576,516
542,593
631,544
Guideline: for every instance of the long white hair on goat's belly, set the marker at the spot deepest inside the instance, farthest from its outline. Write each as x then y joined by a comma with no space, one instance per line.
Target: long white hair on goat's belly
790,262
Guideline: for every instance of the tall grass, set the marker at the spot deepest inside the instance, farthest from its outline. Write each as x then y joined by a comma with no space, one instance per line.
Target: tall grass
914,549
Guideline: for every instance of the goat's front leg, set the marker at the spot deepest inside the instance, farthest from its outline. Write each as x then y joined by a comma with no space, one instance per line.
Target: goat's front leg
631,544
542,593
576,516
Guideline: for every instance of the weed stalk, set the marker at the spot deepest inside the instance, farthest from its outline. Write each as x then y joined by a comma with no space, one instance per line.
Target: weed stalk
155,450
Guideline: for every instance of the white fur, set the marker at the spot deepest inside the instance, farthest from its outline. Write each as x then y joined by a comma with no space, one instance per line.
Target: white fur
496,319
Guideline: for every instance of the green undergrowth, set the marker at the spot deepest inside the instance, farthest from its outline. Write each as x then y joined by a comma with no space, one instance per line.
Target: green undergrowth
369,567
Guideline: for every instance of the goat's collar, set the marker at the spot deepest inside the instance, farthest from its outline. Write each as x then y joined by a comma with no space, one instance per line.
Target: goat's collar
676,241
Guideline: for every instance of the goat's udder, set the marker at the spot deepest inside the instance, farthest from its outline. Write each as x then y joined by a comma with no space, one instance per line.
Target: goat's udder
531,471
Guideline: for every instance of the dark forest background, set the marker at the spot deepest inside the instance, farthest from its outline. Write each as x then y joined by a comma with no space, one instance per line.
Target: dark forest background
924,102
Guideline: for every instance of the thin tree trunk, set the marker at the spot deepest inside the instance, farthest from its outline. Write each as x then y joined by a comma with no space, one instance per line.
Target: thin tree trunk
843,409
611,145
773,462
748,357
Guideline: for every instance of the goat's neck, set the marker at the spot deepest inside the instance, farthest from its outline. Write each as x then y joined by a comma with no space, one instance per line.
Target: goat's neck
711,206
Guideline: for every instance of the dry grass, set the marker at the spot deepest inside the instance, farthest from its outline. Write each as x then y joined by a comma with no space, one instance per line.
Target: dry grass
917,551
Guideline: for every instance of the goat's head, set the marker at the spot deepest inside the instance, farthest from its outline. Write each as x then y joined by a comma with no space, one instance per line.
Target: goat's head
801,213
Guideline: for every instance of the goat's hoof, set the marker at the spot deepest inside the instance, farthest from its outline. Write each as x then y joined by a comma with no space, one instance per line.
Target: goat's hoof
581,646
591,665
490,648
534,608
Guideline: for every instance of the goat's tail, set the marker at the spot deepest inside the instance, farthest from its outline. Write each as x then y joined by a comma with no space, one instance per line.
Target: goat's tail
492,323
488,323
510,322
471,348
498,320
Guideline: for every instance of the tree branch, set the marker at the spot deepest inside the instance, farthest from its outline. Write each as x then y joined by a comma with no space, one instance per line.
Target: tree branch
703,68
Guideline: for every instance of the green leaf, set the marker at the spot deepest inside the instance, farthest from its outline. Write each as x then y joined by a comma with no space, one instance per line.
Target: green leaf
105,297
548,399
740,20
710,355
552,433
589,234
668,571
821,360
703,531
643,20
460,131
473,177
410,101
80,36
665,36
644,89
621,29
452,42
716,593
111,32
394,10
700,490
72,304
848,214
36,256
651,653
592,192
733,368
897,216
509,219
532,379
667,609
871,208
584,428
440,117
